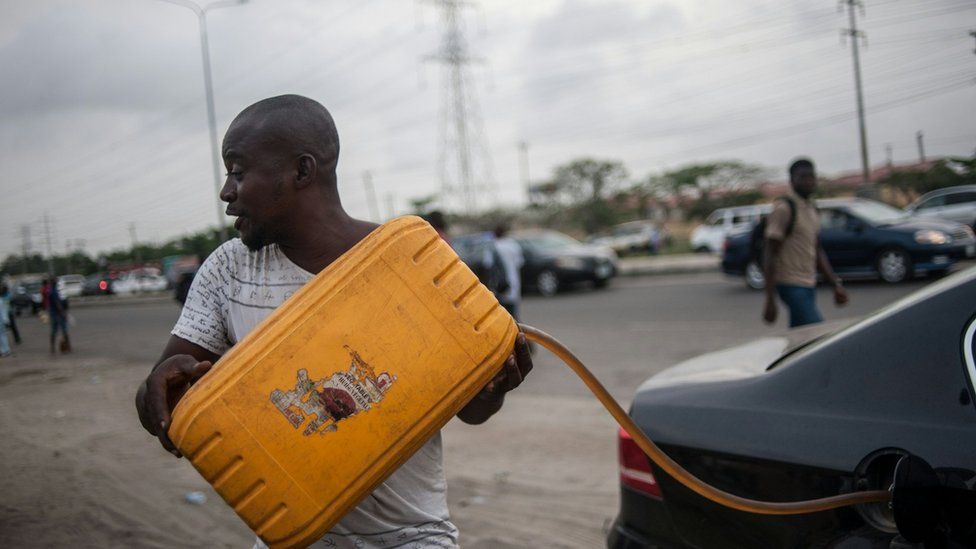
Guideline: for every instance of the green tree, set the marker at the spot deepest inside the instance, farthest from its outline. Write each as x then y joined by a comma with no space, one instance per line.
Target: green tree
714,184
422,205
584,186
944,173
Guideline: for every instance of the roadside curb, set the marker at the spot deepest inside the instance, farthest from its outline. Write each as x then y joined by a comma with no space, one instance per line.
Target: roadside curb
111,300
668,265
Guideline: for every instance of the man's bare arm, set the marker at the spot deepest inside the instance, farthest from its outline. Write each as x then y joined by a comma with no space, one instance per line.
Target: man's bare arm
823,265
771,251
490,399
181,364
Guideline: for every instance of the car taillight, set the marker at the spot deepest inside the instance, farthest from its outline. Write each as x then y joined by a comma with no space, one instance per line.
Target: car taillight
102,285
635,467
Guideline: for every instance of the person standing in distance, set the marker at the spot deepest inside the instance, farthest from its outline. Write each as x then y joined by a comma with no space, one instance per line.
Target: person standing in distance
792,252
512,259
281,155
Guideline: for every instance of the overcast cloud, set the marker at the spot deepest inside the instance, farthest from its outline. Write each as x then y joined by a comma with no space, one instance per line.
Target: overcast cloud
103,120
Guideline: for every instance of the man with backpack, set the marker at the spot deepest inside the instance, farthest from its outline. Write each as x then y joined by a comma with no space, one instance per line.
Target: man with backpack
792,254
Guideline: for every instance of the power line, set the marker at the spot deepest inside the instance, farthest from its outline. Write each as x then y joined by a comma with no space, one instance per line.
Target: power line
834,119
855,35
465,128
47,240
374,209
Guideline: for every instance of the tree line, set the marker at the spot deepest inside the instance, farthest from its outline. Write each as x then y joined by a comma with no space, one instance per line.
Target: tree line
585,195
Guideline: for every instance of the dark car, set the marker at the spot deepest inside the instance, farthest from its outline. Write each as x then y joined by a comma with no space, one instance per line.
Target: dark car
554,261
183,283
26,297
829,417
866,238
97,284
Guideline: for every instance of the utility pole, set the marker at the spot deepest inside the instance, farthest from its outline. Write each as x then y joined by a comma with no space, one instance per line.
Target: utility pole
47,238
524,165
889,160
461,124
855,35
135,243
25,246
390,206
374,210
201,13
920,140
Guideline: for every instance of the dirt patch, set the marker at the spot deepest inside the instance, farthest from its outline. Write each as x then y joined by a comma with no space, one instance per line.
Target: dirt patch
78,469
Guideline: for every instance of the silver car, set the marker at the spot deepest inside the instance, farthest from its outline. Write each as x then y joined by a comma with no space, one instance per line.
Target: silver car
951,203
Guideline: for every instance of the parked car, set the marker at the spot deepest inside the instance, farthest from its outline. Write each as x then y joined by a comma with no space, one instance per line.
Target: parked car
864,238
27,296
710,236
183,283
554,261
629,238
71,285
828,417
139,282
97,284
951,204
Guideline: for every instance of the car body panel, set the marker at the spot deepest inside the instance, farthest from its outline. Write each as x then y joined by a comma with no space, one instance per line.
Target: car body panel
71,285
853,244
571,261
139,282
630,237
956,204
98,284
723,222
807,426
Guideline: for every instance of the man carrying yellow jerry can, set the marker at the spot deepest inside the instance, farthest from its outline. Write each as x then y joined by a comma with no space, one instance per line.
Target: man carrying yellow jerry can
281,155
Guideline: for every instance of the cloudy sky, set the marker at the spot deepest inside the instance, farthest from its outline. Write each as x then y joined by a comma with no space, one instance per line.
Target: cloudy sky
103,121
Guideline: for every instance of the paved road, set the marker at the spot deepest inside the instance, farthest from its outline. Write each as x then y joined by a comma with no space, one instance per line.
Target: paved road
625,333
543,473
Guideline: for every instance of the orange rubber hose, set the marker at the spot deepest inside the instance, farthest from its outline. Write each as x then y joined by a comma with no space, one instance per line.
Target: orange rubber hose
677,472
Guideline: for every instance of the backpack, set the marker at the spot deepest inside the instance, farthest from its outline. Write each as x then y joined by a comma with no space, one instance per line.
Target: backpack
491,273
757,240
497,277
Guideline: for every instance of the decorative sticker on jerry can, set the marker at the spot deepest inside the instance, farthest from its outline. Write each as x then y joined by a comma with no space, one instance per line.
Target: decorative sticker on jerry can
329,400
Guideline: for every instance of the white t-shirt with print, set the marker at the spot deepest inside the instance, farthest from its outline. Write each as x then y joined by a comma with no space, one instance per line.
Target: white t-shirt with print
234,290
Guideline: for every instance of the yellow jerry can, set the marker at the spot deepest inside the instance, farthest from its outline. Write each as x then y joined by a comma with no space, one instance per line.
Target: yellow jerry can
340,385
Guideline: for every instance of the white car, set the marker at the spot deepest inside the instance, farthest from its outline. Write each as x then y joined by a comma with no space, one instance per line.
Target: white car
951,204
631,237
710,236
71,285
139,282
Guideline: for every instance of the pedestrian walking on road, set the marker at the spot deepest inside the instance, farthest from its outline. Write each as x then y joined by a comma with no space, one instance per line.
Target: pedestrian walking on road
792,252
4,317
439,223
11,316
512,259
58,314
281,156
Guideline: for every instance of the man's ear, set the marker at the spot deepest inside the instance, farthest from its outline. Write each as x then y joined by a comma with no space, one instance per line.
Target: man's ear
307,168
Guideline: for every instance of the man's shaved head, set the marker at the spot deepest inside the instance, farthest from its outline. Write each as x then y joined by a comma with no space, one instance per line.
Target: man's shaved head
281,155
289,126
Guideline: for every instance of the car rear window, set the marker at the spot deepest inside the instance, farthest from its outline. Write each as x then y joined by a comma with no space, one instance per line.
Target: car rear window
961,198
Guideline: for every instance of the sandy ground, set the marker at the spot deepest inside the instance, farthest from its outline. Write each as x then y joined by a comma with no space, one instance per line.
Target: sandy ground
79,471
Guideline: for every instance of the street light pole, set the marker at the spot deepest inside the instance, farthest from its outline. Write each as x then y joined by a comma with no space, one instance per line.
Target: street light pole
201,14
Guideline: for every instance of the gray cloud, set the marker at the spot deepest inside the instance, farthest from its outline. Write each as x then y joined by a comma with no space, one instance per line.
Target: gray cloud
102,120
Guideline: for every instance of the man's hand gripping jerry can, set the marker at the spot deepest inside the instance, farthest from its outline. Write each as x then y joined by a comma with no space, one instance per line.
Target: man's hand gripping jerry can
343,383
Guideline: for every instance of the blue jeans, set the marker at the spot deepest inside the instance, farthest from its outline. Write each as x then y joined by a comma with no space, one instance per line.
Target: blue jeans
802,302
4,344
58,322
